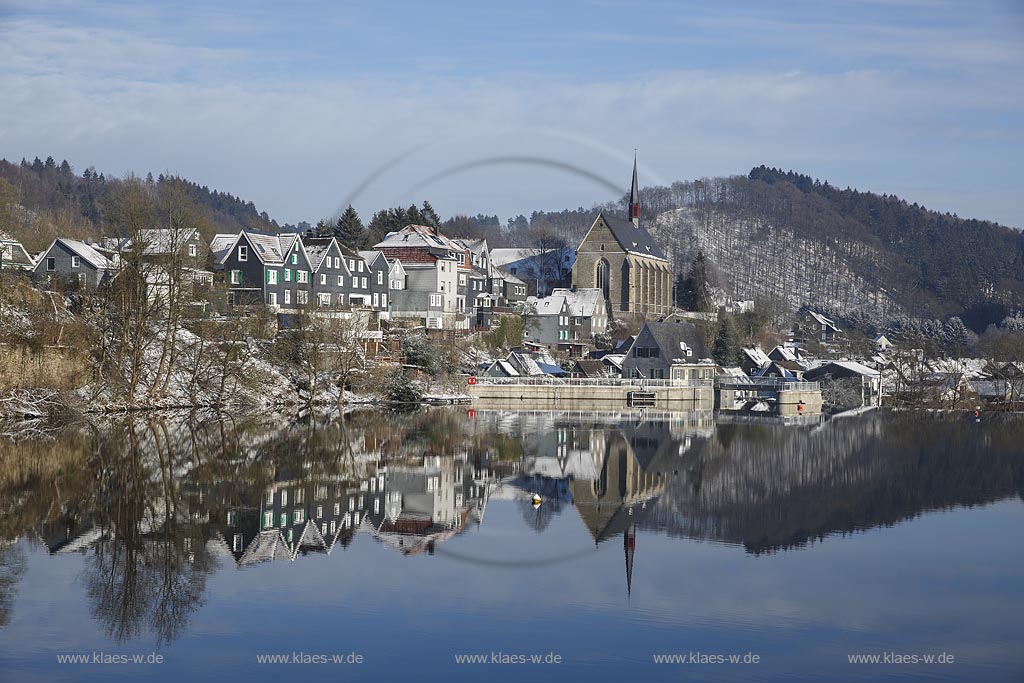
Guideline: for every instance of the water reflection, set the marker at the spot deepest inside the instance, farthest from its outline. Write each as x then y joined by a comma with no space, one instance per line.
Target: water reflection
157,507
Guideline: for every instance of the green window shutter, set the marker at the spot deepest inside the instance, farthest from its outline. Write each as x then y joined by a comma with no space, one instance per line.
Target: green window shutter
267,278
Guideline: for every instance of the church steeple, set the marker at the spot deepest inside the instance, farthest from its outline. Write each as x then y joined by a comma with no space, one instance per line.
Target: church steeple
634,198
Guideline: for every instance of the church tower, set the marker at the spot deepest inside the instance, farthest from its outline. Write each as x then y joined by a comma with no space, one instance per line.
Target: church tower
634,199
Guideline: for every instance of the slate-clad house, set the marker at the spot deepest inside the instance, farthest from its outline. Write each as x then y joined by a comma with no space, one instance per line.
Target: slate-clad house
661,345
620,258
158,245
378,271
274,269
72,260
432,264
332,279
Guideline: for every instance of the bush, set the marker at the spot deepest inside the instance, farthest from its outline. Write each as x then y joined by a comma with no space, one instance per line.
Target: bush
399,388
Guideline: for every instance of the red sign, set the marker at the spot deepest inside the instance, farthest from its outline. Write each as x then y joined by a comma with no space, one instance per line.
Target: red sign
471,413
472,380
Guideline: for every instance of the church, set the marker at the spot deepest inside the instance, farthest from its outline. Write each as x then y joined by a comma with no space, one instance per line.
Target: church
621,259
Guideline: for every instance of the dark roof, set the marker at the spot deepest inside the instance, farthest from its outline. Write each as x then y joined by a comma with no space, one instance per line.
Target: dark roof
633,239
669,335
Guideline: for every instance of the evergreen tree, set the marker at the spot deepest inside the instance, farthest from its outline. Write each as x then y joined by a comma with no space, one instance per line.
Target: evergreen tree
726,350
430,216
349,229
694,291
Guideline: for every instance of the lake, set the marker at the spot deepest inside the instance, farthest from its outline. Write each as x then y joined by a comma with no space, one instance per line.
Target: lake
389,545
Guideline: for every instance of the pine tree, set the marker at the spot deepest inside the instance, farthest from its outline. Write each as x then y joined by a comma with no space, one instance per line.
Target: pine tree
694,291
349,229
429,216
726,349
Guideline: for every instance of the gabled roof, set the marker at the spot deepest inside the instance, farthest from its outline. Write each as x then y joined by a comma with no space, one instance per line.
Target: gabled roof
317,249
757,356
673,338
551,305
269,249
822,320
87,252
371,255
631,238
584,302
222,243
157,241
13,253
419,236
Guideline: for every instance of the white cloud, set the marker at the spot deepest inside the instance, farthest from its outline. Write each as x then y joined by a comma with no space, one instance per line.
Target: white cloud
124,100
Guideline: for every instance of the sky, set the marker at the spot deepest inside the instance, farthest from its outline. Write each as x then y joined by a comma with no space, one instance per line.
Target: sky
505,108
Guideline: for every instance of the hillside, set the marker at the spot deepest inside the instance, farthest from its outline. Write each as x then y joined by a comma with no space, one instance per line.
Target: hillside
42,200
786,236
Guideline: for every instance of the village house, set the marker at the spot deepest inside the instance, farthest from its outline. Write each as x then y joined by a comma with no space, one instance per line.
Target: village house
815,326
432,265
162,245
620,258
589,311
332,279
661,345
548,322
376,285
89,265
259,268
867,381
540,268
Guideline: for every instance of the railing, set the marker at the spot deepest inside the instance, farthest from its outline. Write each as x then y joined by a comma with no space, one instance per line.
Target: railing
774,384
592,382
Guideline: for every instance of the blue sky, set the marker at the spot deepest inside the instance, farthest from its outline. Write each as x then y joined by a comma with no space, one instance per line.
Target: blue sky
300,108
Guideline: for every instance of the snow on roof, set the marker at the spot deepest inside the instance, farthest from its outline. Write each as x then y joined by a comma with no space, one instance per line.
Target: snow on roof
757,356
823,320
787,354
419,236
89,253
854,366
584,302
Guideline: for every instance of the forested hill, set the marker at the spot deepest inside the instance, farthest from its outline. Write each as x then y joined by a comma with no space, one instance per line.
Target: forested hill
47,199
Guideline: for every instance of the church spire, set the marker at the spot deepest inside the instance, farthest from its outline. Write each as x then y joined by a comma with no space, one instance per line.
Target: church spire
634,198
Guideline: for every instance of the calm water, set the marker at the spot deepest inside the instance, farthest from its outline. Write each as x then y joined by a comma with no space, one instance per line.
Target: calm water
410,540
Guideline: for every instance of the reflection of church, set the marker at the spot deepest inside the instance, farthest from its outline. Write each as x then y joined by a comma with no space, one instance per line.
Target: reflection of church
620,258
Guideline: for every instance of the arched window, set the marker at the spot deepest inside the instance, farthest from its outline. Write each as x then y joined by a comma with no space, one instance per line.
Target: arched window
603,269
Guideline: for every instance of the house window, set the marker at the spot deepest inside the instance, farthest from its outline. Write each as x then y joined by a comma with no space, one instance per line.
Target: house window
319,511
287,274
295,259
243,253
364,283
323,278
383,300
341,280
192,250
287,296
302,276
337,509
302,297
235,277
270,497
284,497
376,300
268,519
51,264
76,261
337,262
272,298
284,519
271,277
300,516
352,264
360,266
376,506
231,518
380,277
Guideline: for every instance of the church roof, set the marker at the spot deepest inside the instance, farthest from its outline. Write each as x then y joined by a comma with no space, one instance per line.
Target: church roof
631,238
